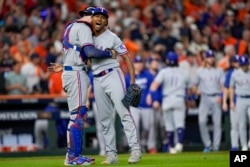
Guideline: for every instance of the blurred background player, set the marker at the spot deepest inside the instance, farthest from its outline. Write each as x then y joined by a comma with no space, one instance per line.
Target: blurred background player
143,114
240,85
234,132
208,83
174,82
153,64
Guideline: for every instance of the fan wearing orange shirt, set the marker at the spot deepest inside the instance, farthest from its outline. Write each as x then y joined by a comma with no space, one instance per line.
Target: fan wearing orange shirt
229,51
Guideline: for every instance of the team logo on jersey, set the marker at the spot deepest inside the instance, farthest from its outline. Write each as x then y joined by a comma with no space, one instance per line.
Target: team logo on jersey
122,47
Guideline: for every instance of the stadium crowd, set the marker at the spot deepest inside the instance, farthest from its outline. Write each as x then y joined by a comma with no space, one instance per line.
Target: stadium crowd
31,31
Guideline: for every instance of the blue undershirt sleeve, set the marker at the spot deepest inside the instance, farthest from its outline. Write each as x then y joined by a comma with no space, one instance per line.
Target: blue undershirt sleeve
92,52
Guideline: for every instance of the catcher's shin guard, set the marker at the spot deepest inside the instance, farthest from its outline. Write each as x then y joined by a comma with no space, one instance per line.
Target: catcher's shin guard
75,132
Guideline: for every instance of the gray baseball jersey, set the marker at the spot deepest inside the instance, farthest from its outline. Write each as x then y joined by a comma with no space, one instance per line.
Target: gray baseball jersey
210,81
240,81
109,89
78,34
76,81
107,40
174,83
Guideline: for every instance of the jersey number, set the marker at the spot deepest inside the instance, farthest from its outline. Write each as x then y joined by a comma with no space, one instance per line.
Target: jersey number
174,81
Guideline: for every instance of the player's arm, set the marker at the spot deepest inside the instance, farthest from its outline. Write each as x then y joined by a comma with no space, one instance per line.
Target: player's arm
87,45
225,92
195,89
131,68
121,50
232,92
231,96
154,87
92,52
55,67
152,94
224,98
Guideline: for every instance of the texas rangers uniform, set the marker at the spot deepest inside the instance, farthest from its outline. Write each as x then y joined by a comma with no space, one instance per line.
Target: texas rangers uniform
109,89
240,82
234,130
174,82
210,82
78,46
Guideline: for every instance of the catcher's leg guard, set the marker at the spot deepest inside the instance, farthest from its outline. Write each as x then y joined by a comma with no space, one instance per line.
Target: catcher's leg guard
170,135
180,134
75,132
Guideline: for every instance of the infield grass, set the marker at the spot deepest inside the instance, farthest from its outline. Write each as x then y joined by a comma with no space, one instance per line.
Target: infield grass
186,159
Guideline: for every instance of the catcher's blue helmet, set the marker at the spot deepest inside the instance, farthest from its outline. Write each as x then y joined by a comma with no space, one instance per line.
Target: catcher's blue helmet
87,12
172,57
243,60
102,11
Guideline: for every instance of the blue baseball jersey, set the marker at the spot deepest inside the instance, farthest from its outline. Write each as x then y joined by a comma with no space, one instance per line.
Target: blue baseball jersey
144,80
227,80
228,77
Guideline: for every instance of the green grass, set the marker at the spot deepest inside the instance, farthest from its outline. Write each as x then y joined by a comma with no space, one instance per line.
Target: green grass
186,159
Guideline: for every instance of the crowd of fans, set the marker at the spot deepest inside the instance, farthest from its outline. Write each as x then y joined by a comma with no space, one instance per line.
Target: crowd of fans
31,32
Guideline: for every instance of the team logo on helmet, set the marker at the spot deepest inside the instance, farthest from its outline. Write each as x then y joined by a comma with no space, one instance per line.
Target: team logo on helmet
102,11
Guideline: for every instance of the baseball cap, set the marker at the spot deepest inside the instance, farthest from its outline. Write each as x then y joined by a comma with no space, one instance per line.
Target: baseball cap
87,12
138,59
235,59
172,57
102,11
151,58
243,60
209,53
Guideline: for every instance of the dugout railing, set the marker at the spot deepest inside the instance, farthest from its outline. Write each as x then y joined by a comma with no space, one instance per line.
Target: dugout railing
19,113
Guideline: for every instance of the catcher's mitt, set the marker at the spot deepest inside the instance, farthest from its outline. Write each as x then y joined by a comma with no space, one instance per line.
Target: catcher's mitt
132,96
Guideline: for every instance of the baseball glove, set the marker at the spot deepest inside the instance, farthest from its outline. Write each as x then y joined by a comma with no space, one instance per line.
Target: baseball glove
132,96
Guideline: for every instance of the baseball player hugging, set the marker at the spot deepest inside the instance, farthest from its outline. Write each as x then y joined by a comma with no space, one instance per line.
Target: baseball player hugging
77,47
109,89
209,80
240,85
175,84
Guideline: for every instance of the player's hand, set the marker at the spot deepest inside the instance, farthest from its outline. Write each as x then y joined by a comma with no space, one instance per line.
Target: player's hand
219,100
156,105
114,54
224,107
149,100
55,67
232,106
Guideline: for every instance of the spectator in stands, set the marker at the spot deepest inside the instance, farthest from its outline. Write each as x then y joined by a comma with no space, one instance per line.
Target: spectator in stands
2,83
6,60
229,52
166,39
16,83
35,35
180,51
216,45
34,74
197,44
